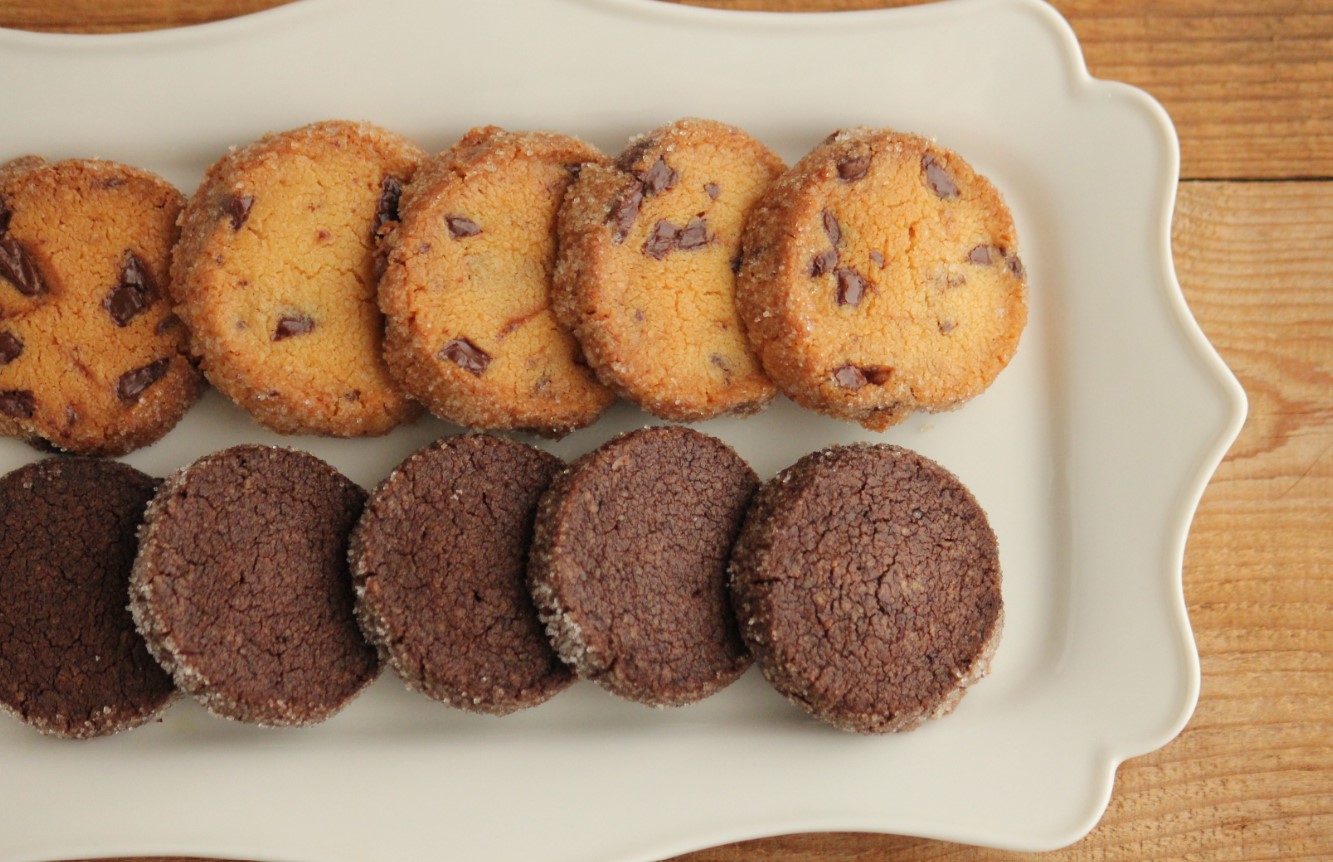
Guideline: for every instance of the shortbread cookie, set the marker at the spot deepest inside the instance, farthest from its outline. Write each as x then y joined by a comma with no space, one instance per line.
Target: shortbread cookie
867,583
466,293
241,586
92,359
628,564
276,276
71,663
438,560
646,277
881,276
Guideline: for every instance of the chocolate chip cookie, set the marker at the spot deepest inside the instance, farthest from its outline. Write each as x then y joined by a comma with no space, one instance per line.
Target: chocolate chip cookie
92,359
241,586
276,276
628,564
438,560
467,289
71,662
646,276
867,584
881,276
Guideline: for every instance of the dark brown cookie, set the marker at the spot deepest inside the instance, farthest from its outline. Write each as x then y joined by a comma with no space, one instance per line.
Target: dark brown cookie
71,663
867,582
438,560
242,590
628,564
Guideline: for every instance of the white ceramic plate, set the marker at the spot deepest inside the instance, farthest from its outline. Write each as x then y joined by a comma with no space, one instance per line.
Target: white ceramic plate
1090,452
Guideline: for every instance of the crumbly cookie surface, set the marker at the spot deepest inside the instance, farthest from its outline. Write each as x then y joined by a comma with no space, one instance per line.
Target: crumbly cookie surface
92,358
276,277
467,289
646,276
881,276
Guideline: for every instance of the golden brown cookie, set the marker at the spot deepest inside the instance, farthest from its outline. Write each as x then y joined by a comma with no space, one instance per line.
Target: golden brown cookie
276,277
646,276
92,359
881,276
467,289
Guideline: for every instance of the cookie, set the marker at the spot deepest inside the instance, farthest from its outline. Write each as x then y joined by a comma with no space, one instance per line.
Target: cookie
628,564
438,560
92,359
867,583
71,662
467,290
881,276
276,275
646,275
241,586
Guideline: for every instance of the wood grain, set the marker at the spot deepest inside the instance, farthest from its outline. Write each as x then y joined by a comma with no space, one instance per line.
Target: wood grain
1249,84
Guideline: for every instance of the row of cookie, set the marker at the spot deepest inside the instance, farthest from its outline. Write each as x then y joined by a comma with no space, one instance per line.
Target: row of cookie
865,582
332,277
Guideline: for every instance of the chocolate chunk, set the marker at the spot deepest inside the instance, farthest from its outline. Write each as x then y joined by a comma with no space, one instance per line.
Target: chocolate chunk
574,169
624,211
694,235
853,167
10,347
947,326
627,159
133,383
849,377
461,227
877,258
831,228
713,190
736,265
293,324
852,286
877,375
391,192
980,255
659,178
824,262
466,356
938,178
166,324
237,207
18,266
135,293
661,240
1015,266
18,403
5,215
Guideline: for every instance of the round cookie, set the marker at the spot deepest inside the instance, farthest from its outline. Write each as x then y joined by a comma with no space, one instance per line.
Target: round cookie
867,583
881,276
628,564
438,561
276,275
92,359
71,663
646,275
467,290
241,586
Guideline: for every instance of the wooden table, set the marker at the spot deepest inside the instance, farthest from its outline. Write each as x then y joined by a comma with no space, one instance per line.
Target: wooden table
1250,87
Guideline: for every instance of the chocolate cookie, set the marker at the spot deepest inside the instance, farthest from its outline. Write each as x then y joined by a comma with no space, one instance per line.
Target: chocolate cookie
467,290
628,564
241,586
867,582
646,275
276,277
71,663
92,359
881,276
438,560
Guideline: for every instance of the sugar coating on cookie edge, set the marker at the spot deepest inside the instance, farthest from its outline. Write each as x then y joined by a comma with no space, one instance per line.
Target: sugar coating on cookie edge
276,277
881,276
